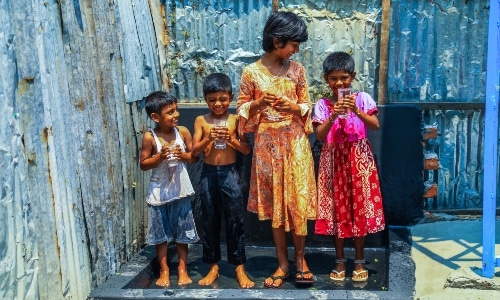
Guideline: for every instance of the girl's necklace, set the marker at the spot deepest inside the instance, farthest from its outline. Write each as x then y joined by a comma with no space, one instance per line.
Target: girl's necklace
279,73
281,70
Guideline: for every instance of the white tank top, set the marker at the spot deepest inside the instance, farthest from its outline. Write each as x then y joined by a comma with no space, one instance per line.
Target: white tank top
169,183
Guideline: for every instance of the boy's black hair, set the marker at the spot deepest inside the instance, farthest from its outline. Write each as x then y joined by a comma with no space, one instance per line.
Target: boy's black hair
338,61
217,82
285,26
156,101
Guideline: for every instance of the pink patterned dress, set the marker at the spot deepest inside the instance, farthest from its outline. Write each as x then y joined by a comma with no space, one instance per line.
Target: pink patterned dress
282,183
349,197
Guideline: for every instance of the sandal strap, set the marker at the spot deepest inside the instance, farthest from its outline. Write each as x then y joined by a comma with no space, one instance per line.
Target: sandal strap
359,261
341,261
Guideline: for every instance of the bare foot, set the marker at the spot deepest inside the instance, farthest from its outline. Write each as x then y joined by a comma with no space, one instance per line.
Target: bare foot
212,275
242,278
183,277
164,279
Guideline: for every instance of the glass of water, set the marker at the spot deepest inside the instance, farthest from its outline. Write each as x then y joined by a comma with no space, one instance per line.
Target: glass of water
219,143
172,160
341,95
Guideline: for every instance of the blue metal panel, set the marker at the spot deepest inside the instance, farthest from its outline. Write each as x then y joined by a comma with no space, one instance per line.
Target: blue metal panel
225,36
437,51
491,141
457,146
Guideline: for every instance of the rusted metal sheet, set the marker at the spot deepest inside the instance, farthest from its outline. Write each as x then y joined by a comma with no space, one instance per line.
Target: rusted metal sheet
72,208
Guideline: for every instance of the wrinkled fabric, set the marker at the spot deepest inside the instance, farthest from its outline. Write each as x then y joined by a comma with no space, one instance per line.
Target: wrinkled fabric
172,221
256,79
169,183
349,197
220,194
282,182
353,129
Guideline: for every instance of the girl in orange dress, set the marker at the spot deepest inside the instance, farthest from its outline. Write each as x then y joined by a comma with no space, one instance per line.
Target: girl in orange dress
273,102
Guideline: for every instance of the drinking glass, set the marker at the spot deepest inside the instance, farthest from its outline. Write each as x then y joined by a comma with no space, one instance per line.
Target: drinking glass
219,143
341,95
271,113
172,159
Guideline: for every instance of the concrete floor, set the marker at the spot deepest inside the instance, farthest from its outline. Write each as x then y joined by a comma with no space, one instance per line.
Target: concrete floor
261,262
447,251
390,275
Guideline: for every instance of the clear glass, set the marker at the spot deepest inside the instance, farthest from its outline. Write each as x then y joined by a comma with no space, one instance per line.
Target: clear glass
341,94
171,159
219,143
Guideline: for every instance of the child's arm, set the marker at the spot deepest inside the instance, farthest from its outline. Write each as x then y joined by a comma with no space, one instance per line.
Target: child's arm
370,121
239,142
188,141
323,129
200,142
150,158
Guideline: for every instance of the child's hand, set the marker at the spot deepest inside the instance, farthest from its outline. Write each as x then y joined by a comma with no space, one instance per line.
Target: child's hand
223,133
339,109
164,151
172,151
268,99
218,133
283,104
214,133
349,102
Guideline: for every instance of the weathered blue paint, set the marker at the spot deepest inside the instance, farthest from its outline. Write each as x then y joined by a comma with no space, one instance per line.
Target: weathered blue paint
237,7
428,62
225,36
491,141
72,75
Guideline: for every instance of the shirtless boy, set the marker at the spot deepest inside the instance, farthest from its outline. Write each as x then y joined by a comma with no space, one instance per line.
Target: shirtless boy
220,189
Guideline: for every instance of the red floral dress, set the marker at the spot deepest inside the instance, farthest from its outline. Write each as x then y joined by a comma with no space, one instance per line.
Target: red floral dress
349,197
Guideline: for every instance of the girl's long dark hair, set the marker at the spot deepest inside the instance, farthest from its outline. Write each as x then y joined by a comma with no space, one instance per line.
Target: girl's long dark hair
285,26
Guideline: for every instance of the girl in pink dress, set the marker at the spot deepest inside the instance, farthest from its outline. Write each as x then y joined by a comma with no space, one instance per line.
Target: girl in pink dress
349,197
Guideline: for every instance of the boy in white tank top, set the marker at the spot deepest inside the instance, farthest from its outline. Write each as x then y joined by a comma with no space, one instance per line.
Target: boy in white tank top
170,217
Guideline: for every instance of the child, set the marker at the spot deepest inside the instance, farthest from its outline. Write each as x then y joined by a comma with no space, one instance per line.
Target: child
273,102
169,208
349,198
220,183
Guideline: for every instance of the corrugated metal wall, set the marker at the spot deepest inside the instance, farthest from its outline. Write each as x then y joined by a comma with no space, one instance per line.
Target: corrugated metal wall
224,36
71,207
437,59
438,51
73,74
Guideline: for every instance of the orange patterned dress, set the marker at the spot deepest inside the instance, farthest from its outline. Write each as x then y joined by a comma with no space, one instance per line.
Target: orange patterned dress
282,183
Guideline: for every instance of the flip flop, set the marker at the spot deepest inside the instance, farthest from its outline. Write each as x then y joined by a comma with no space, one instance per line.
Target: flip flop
360,275
283,278
299,277
337,275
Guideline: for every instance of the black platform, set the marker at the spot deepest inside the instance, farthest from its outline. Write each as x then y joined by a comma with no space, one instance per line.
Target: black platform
391,275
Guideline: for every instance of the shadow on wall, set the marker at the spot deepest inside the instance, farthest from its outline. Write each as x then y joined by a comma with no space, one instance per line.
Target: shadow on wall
397,148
